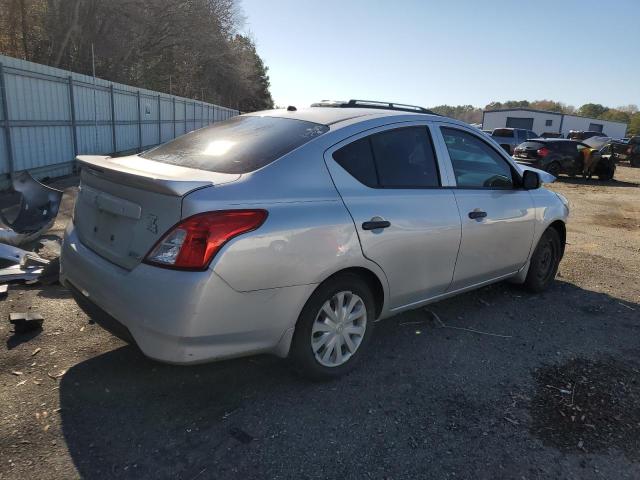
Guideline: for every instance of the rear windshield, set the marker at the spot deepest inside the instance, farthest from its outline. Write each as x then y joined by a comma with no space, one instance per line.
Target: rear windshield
238,145
502,132
535,145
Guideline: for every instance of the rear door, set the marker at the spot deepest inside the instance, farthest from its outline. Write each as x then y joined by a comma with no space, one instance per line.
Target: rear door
497,216
405,216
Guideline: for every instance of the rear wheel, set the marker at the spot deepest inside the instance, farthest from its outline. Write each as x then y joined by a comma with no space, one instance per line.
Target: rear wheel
544,262
635,160
554,169
334,328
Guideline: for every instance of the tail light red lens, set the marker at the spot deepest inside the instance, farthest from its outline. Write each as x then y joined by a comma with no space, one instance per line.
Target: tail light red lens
192,243
543,152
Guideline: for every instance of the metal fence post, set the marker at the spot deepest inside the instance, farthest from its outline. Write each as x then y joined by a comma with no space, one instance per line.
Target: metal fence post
173,116
113,120
72,108
185,116
139,124
5,114
159,120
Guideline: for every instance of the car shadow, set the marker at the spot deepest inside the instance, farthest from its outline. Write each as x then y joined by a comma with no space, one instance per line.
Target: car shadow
125,416
595,182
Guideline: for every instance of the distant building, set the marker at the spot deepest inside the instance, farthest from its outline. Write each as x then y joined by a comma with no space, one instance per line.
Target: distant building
541,121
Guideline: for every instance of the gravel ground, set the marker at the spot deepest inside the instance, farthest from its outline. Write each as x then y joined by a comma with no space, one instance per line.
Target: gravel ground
556,396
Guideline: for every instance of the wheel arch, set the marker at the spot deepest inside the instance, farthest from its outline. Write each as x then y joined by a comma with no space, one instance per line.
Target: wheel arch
560,227
371,279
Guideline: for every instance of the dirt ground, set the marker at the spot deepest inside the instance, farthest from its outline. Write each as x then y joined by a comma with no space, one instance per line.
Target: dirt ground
555,395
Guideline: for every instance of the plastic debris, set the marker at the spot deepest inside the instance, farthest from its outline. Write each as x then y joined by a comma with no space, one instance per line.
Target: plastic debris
34,215
26,322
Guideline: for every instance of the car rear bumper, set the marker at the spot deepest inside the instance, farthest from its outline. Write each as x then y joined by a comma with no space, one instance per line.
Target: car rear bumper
180,317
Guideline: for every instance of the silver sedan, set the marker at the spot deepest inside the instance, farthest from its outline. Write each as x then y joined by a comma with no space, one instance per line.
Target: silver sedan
293,232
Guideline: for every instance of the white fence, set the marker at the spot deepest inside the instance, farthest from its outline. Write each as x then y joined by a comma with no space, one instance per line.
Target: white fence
49,115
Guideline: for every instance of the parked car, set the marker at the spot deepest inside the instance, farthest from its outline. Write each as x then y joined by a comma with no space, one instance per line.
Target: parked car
550,135
292,232
510,138
558,156
616,150
583,135
633,151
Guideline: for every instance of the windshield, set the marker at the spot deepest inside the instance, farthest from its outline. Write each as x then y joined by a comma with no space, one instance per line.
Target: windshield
239,145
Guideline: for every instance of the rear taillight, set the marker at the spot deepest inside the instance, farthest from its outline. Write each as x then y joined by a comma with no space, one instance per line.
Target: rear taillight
543,152
193,242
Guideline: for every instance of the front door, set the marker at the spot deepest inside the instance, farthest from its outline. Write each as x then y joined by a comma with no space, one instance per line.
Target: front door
407,223
497,216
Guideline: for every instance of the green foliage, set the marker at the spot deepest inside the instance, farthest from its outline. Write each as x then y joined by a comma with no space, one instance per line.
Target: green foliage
634,125
186,47
594,110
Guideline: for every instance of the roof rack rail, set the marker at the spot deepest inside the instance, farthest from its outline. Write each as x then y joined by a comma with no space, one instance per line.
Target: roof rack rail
373,104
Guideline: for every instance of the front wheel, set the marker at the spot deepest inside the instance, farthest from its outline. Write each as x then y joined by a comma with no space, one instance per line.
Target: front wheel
554,169
544,262
334,328
606,174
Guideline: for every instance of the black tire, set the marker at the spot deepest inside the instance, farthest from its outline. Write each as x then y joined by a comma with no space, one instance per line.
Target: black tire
607,173
544,262
301,353
635,160
554,169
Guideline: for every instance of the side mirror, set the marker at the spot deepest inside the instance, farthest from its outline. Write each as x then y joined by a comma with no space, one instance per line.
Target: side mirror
530,180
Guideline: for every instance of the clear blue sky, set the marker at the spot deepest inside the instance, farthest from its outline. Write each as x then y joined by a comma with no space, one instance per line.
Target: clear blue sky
449,52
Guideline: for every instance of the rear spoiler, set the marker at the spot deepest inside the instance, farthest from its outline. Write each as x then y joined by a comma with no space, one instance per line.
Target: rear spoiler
150,175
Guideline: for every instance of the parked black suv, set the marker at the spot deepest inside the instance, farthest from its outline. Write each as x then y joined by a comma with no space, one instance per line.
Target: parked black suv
557,155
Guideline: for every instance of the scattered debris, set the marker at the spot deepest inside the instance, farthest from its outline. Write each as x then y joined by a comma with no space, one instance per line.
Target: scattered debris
17,373
35,352
472,330
627,306
512,421
26,322
18,264
56,376
594,407
34,215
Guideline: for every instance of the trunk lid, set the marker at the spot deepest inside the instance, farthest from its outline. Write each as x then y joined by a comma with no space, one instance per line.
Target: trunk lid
126,204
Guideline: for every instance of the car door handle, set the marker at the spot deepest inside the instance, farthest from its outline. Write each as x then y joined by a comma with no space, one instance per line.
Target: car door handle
476,214
375,224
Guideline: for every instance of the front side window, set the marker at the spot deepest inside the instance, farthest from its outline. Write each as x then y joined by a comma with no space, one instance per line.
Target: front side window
475,163
400,158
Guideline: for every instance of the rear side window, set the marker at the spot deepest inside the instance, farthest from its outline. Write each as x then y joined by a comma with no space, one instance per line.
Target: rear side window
238,145
357,159
502,132
400,158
